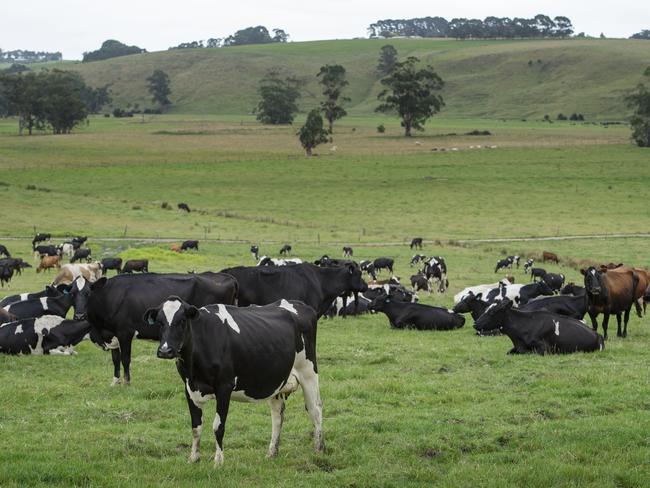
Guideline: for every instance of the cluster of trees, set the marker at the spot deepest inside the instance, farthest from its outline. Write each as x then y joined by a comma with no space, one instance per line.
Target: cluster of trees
111,49
644,34
491,27
250,35
23,56
639,102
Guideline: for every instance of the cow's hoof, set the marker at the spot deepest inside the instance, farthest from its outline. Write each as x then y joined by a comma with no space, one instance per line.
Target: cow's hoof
194,458
272,453
624,334
116,381
218,459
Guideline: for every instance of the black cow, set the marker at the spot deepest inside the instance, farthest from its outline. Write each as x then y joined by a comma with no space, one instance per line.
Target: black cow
420,282
6,274
475,305
573,289
316,286
184,206
16,264
537,273
327,262
48,305
49,334
369,268
49,291
80,254
112,263
567,305
554,281
78,241
286,249
40,238
383,263
539,332
529,292
45,250
186,245
132,265
528,264
115,306
403,315
255,250
416,243
4,251
245,354
348,252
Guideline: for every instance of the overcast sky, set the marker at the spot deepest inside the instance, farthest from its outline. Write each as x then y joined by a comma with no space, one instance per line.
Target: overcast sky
75,26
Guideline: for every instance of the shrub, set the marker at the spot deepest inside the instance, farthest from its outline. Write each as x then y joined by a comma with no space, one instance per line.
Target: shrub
381,129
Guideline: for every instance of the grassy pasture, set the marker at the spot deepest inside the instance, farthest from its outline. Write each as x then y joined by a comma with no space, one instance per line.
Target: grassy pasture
402,408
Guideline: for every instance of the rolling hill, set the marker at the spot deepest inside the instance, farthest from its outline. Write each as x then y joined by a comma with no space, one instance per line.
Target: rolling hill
496,78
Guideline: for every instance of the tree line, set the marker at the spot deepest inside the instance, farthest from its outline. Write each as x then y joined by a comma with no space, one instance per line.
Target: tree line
250,35
644,34
541,26
25,56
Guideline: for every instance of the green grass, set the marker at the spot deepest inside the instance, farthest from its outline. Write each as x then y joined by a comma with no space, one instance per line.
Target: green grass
484,78
402,408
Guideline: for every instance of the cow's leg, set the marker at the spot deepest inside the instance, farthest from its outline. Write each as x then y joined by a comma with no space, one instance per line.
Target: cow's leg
308,379
605,323
277,417
639,309
219,424
125,352
619,332
196,414
625,321
115,354
594,322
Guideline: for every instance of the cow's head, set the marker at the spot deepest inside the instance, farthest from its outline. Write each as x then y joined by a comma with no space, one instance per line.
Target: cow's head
465,305
494,316
378,304
544,289
173,317
593,280
80,290
355,281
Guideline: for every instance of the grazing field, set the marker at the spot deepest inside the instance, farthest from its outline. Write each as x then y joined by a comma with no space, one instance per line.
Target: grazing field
402,408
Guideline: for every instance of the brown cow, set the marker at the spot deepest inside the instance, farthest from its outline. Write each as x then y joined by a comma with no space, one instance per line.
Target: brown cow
6,316
175,248
69,272
610,292
549,256
49,262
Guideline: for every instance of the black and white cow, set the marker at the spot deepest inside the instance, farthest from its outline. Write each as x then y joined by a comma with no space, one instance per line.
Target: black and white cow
80,254
65,249
49,291
573,289
539,332
420,282
41,237
245,354
537,273
255,251
503,264
383,263
45,250
515,259
532,291
192,244
368,268
286,249
528,265
78,241
554,281
348,252
416,243
47,305
267,261
4,251
49,334
417,259
111,263
568,305
474,305
316,286
435,269
403,315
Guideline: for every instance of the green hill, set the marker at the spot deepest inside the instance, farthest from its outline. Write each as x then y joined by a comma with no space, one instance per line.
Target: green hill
510,79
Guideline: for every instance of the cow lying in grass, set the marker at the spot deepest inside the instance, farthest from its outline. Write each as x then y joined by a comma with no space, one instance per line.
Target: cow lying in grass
49,334
402,315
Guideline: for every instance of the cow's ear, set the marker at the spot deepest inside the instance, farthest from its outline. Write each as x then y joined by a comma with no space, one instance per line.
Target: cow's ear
150,315
583,271
99,284
61,288
479,296
192,312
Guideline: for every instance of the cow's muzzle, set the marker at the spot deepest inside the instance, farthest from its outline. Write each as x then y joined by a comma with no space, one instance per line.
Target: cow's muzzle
165,352
80,316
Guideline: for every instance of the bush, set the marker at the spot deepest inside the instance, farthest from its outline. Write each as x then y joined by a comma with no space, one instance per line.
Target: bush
381,129
120,113
561,117
476,132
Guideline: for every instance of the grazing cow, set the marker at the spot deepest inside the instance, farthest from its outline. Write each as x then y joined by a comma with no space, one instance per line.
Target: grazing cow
479,289
267,261
417,259
133,265
49,262
554,281
16,264
573,289
528,264
69,272
313,285
244,354
6,274
286,249
111,263
49,291
66,249
57,305
348,252
549,256
610,292
80,254
420,282
4,252
416,243
368,268
49,250
534,290
255,251
515,259
503,264
115,306
40,238
539,332
187,245
175,247
383,263
49,334
537,273
568,305
184,206
79,241
403,315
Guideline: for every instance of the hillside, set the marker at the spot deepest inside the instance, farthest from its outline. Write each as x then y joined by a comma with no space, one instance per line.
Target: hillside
484,78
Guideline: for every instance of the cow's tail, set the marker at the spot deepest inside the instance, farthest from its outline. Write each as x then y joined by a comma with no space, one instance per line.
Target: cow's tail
601,343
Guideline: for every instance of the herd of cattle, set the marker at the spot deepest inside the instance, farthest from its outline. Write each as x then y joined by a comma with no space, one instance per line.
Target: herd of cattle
249,332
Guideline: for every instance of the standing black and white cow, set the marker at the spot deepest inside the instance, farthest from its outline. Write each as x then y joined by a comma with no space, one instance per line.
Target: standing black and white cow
41,237
78,241
286,249
49,334
115,306
369,268
47,305
503,264
416,243
528,264
402,315
111,263
4,251
255,251
383,263
348,252
192,244
80,254
539,332
420,282
49,291
316,286
435,268
246,354
554,281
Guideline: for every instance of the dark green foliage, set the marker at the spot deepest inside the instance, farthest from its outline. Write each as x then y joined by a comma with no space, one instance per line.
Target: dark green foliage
639,102
387,60
381,129
575,117
561,117
112,49
279,96
412,93
312,133
95,98
332,78
25,56
644,34
189,45
158,86
255,35
16,68
214,42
